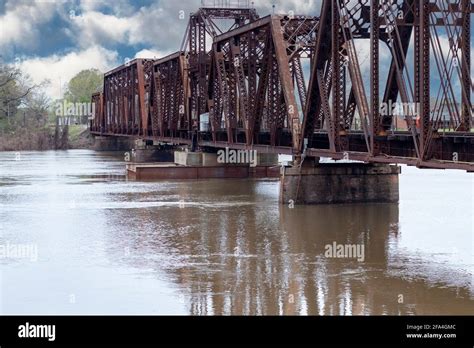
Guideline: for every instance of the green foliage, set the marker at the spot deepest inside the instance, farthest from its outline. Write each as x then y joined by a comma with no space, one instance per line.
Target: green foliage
83,85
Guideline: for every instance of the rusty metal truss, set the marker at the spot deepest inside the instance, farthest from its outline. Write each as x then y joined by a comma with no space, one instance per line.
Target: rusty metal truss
321,86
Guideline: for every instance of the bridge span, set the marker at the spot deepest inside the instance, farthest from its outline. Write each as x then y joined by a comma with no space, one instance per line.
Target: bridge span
362,80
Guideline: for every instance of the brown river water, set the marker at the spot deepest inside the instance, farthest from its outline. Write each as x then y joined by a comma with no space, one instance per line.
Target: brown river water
77,237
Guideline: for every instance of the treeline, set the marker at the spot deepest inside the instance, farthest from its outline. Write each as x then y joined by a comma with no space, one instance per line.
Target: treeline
29,116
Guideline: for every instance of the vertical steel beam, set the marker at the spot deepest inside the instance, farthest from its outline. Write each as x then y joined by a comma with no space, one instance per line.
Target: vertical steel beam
324,99
313,114
128,111
374,78
184,68
335,116
202,54
293,118
141,96
238,64
156,103
252,85
300,82
224,87
466,116
424,74
263,80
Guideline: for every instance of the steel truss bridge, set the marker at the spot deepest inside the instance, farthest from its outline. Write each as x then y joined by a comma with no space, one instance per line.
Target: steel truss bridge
309,86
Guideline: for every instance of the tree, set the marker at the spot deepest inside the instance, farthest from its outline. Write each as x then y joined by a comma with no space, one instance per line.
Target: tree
38,105
15,87
83,85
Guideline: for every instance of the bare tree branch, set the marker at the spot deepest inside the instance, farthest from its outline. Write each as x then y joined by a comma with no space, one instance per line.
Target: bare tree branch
29,89
12,76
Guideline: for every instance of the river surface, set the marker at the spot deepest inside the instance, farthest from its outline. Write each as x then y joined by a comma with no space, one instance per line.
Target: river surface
77,237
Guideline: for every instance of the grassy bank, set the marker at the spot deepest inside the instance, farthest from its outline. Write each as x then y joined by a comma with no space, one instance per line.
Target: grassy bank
80,137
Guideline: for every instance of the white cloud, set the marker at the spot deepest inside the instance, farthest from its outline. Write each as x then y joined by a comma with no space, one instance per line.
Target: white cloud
19,24
158,25
98,28
151,53
60,69
298,7
118,7
161,24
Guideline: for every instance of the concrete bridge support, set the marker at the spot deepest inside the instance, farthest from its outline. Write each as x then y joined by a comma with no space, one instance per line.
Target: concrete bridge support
147,152
340,183
113,143
198,165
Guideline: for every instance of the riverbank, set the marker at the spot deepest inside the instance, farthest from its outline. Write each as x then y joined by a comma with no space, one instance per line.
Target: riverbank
46,138
80,138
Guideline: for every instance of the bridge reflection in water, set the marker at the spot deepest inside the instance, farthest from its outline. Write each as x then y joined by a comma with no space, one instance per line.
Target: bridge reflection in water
250,256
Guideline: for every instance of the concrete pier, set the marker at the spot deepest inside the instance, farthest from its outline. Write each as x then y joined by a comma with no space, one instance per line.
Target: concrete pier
190,159
152,154
201,165
339,183
113,143
267,159
146,151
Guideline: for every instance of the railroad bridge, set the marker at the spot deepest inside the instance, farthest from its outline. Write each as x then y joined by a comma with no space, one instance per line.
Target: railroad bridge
381,82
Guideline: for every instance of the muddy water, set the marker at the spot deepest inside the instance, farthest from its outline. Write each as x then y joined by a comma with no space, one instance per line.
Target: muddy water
79,238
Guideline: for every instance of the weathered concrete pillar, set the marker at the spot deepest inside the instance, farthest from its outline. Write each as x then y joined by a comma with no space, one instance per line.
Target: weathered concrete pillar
124,144
146,151
105,143
339,183
267,159
190,159
152,154
198,165
209,159
112,143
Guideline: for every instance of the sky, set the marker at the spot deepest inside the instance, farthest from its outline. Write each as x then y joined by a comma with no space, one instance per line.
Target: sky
55,40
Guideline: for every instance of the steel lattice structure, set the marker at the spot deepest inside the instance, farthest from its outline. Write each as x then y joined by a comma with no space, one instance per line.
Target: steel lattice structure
305,85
